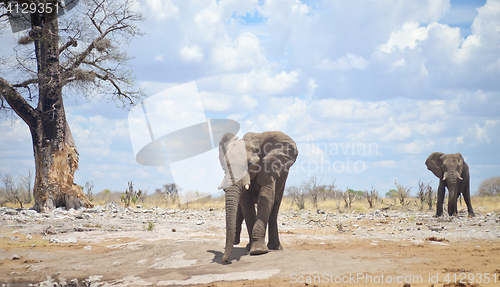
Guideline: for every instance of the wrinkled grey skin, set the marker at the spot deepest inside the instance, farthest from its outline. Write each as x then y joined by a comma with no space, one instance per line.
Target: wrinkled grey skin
453,173
256,174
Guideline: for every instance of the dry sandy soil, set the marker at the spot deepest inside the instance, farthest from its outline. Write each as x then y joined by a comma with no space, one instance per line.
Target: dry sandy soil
110,246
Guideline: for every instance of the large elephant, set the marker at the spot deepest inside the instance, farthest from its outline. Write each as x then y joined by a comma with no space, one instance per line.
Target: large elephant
256,168
453,173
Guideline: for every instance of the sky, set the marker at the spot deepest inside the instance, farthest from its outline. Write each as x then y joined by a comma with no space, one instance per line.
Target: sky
367,89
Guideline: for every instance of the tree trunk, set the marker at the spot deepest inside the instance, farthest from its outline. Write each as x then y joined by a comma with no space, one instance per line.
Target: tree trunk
56,157
55,167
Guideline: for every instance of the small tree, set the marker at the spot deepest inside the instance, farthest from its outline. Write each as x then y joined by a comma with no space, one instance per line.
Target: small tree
131,195
349,197
430,196
422,188
403,193
391,193
425,194
371,197
170,193
89,187
314,189
298,195
489,187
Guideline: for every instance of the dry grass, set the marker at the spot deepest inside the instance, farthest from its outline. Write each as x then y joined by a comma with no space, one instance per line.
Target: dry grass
480,204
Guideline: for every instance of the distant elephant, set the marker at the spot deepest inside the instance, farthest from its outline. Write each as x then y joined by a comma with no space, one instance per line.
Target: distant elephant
453,173
256,168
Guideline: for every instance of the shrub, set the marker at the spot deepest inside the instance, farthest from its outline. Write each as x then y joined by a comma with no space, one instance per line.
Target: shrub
489,187
403,193
131,195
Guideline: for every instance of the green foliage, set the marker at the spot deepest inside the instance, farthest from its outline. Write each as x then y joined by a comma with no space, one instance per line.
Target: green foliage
131,195
150,226
391,193
106,191
359,193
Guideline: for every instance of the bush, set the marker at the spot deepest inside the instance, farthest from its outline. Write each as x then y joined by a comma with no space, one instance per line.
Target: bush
489,187
130,195
371,197
403,193
298,195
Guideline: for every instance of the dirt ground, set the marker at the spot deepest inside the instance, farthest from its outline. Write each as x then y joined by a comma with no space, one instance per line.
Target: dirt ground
186,249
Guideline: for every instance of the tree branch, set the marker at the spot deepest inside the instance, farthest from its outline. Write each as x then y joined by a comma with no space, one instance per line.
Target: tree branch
22,108
71,42
26,83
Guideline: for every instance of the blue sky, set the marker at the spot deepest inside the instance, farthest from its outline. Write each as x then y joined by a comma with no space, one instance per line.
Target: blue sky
368,89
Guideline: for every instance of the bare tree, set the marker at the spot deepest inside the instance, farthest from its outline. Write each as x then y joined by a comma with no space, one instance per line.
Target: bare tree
489,187
430,196
371,197
79,52
403,193
170,193
314,190
89,187
425,194
17,189
349,197
298,195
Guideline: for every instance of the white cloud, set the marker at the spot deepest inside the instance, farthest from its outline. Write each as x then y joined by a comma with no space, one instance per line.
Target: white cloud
416,147
217,102
207,17
408,36
386,164
263,81
484,133
347,62
349,110
192,53
162,9
242,53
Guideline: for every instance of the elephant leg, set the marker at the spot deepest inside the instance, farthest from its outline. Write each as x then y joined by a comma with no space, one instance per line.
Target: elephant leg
466,194
248,211
274,241
239,221
440,198
265,204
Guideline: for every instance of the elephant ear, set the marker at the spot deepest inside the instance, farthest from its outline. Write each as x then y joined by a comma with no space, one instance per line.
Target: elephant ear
434,163
277,162
461,162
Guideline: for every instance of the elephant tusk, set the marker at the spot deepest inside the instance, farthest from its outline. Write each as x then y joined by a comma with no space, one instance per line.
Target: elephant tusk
459,177
219,188
247,186
444,177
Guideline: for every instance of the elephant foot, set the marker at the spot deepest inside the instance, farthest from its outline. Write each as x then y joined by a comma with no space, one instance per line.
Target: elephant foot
274,246
472,214
237,239
258,247
249,245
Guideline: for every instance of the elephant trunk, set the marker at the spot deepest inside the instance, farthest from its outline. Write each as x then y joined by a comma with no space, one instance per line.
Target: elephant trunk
233,194
452,196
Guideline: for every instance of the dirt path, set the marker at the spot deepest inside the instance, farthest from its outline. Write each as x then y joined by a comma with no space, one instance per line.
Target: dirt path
185,248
